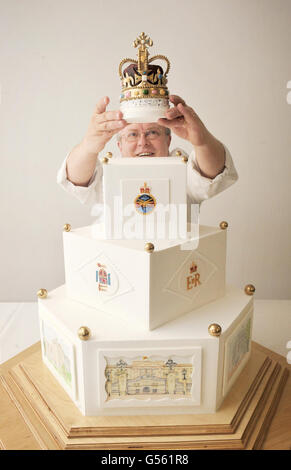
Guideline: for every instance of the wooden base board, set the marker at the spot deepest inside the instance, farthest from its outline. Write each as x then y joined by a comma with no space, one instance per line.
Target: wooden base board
38,414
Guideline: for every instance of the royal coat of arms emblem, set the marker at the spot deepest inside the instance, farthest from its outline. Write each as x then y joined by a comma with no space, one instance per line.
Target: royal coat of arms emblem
193,280
145,201
102,277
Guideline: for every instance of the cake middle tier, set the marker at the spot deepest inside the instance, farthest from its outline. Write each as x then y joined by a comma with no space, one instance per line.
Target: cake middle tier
146,284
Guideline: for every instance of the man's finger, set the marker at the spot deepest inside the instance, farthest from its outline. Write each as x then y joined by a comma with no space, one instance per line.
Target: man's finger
171,123
112,125
175,99
173,113
187,112
101,105
109,116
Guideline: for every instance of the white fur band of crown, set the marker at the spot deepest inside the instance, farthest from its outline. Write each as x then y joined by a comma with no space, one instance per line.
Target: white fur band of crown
144,110
145,103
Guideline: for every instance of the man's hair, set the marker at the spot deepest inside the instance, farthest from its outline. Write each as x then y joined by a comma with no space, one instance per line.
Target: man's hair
167,132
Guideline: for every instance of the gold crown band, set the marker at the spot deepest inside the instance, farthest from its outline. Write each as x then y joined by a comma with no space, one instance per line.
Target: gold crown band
134,94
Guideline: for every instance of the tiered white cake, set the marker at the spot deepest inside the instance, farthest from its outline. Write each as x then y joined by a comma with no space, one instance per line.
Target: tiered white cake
162,334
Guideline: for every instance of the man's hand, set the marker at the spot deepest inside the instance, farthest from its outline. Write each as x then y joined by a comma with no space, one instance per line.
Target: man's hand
103,125
184,122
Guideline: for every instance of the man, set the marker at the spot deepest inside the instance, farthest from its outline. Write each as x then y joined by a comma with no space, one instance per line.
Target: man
210,168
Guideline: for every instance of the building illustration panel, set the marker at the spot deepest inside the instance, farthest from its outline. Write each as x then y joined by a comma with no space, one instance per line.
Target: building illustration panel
58,354
237,350
144,377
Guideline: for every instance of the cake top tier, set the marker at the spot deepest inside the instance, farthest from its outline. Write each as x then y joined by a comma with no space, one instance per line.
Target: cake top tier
146,197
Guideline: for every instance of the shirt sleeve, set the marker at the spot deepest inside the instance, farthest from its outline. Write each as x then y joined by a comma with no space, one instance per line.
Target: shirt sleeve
200,188
90,194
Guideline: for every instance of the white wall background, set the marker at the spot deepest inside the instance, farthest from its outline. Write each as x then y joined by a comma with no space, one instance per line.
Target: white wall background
230,61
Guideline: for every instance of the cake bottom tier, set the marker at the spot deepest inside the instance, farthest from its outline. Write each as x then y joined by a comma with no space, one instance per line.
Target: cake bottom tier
119,369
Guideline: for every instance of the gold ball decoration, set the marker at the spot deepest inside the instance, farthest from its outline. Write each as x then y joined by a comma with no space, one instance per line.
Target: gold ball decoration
109,155
185,159
67,227
84,333
223,225
105,160
149,247
178,153
250,289
214,329
42,294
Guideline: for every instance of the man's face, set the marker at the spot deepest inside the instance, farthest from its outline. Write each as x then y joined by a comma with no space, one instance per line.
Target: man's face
144,140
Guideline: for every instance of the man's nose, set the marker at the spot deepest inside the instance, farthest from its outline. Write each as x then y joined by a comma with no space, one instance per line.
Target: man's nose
142,139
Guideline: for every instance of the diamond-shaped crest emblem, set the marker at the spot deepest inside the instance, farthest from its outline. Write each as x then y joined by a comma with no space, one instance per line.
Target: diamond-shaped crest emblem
102,278
192,276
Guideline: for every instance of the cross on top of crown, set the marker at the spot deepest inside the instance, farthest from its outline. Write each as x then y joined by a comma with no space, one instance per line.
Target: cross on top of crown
143,40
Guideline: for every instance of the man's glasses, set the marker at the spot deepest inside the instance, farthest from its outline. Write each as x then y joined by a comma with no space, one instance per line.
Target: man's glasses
133,136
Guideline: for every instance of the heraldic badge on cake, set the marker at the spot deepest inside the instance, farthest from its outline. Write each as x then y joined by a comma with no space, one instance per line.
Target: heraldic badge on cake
145,201
144,96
